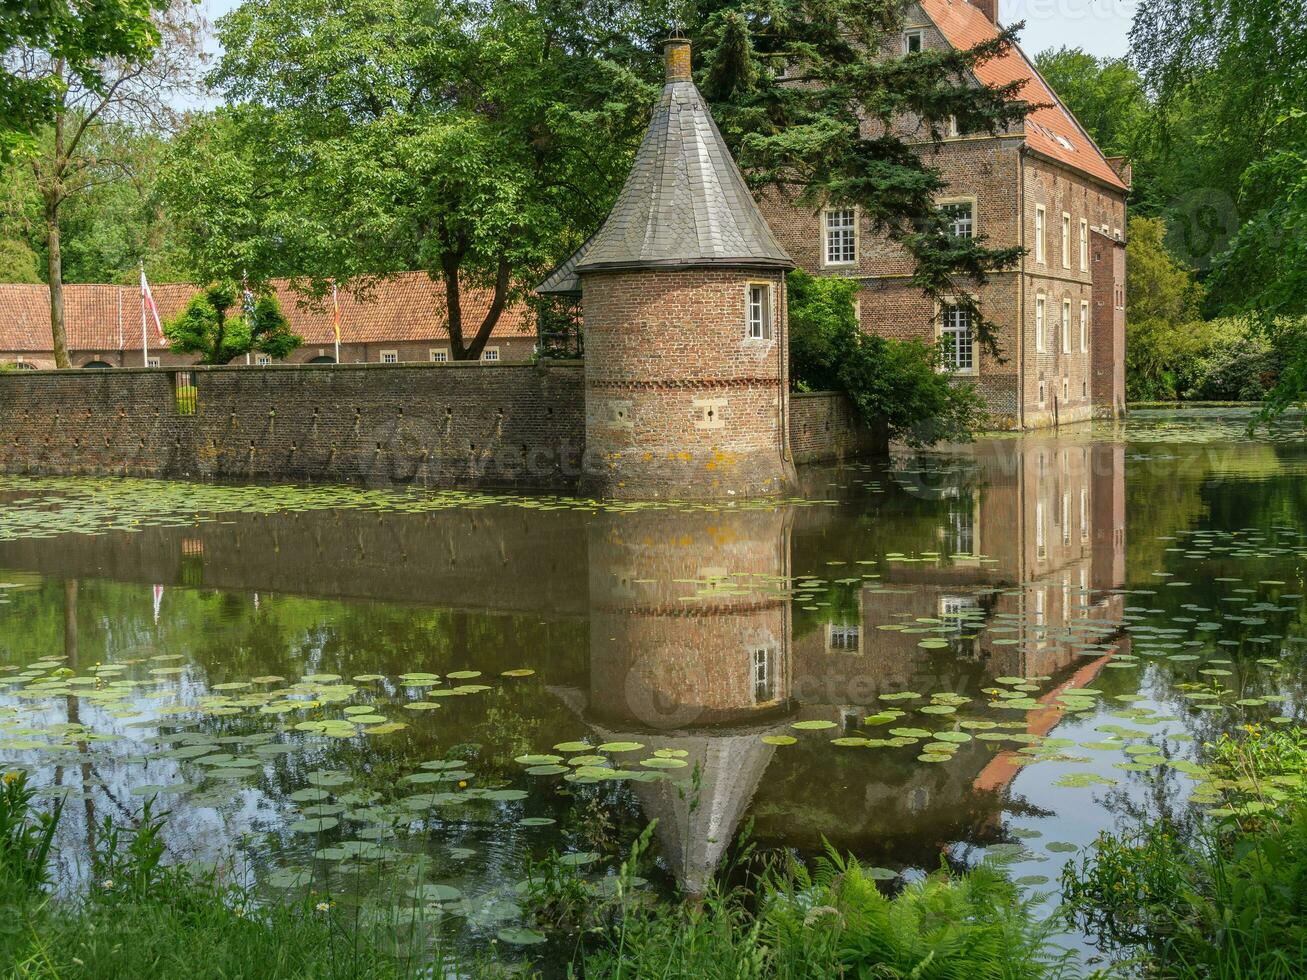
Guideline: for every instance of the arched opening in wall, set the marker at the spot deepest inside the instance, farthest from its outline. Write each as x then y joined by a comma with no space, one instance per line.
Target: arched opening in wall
323,359
96,365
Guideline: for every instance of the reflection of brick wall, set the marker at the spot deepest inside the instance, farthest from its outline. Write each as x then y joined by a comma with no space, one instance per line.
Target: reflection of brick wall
679,401
660,658
501,559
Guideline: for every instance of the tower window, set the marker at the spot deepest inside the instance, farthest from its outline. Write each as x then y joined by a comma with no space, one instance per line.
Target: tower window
1066,326
959,345
1066,240
764,675
1039,324
1084,327
759,311
1039,233
841,229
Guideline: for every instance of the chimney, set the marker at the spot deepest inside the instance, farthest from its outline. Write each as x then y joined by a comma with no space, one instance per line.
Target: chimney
989,8
676,56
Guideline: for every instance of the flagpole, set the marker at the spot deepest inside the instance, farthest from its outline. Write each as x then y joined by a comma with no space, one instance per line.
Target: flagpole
145,337
335,305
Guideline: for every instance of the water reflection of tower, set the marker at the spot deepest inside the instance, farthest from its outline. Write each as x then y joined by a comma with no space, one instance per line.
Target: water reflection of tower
690,651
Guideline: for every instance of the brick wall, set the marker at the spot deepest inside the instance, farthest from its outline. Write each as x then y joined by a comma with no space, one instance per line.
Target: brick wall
825,426
680,401
461,425
514,426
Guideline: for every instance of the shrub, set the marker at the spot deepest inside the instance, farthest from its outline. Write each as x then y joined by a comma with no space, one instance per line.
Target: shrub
834,921
897,383
25,836
1222,896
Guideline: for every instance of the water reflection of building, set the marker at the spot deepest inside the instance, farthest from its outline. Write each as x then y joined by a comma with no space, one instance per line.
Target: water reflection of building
690,652
696,647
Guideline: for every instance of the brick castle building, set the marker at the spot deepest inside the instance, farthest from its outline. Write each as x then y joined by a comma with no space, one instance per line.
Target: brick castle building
1042,185
402,320
683,297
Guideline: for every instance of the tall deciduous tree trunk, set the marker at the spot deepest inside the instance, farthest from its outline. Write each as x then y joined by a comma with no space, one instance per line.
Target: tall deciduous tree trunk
54,267
459,350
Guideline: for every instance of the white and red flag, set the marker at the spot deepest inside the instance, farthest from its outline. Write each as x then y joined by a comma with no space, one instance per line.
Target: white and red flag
147,303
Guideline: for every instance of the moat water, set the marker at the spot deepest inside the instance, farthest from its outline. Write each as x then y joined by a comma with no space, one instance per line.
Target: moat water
996,651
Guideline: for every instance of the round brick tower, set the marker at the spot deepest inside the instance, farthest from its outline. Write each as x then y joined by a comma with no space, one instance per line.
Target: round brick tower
684,306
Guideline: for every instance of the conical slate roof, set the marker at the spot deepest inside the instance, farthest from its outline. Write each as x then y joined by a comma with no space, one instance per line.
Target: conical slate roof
684,203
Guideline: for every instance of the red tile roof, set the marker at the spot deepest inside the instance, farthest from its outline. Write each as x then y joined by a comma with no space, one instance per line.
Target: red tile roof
1052,130
407,306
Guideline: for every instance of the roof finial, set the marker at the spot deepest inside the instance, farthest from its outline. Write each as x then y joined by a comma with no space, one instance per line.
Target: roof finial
676,57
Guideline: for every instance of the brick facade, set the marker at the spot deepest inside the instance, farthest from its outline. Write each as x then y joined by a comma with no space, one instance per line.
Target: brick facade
458,425
1004,179
680,401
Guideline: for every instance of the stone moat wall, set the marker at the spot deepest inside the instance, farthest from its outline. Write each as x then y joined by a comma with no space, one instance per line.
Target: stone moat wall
505,426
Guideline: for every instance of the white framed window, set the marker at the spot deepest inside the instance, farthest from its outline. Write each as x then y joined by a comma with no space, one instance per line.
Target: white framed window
1066,517
961,217
1084,326
1041,544
1084,245
764,675
840,227
1116,233
843,638
1039,324
489,353
1066,326
952,127
959,341
913,41
439,355
960,534
1066,240
390,357
151,362
758,311
1084,515
953,609
262,360
1040,223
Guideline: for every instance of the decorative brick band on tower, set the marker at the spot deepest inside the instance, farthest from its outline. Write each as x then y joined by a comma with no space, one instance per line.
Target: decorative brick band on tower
685,317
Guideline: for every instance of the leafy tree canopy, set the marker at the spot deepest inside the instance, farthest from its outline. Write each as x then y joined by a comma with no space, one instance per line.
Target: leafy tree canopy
470,140
79,37
218,327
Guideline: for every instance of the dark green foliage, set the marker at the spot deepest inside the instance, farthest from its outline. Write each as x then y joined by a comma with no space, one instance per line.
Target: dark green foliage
25,836
807,137
81,35
895,383
218,328
833,921
1224,895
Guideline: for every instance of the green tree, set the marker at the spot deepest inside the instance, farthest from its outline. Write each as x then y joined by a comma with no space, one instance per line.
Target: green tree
214,326
17,262
891,382
1163,320
1241,67
469,140
77,152
47,48
810,97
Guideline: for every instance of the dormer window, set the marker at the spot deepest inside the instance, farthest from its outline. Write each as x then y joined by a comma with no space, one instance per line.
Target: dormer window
914,41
